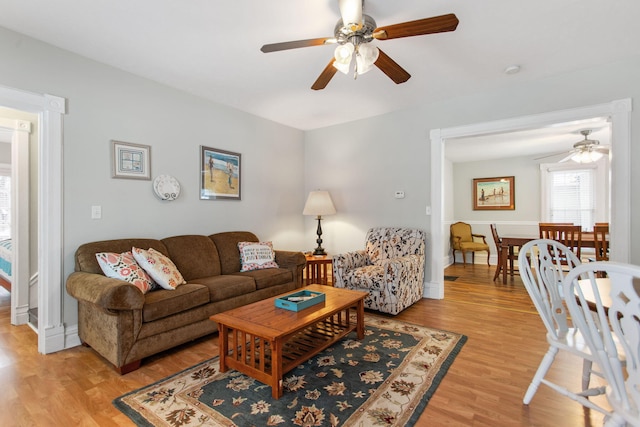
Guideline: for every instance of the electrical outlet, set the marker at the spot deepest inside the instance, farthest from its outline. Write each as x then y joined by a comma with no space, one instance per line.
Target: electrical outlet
399,195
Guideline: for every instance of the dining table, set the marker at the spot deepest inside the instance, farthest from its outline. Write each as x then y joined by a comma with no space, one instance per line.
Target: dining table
508,243
604,290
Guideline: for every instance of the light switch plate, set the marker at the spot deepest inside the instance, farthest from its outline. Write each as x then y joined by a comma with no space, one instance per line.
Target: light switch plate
96,212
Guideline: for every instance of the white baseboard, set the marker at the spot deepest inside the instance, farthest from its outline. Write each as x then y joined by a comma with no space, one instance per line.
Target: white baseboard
71,337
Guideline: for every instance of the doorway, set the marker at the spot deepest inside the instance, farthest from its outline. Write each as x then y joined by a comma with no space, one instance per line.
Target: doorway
50,110
618,111
17,127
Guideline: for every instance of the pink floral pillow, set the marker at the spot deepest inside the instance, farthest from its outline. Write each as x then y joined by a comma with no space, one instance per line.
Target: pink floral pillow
124,267
257,255
159,267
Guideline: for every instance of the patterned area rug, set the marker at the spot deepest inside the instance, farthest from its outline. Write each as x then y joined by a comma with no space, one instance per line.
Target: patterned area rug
386,379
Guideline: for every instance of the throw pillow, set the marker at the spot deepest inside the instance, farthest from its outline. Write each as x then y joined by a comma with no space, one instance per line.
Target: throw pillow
257,255
124,267
159,267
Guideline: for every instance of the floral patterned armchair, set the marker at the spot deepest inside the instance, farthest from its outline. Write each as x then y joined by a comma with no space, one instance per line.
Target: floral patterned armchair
390,268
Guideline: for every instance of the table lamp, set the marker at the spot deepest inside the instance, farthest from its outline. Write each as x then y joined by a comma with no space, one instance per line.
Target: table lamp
319,203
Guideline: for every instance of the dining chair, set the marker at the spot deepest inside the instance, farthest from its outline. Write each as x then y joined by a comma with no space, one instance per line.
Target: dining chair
568,234
542,268
512,255
464,240
601,241
612,333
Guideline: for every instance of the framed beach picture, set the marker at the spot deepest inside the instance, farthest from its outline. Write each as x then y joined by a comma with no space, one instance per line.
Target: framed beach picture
220,174
130,161
494,193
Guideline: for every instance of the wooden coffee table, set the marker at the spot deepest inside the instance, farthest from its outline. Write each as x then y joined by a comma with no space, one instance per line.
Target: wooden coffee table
265,341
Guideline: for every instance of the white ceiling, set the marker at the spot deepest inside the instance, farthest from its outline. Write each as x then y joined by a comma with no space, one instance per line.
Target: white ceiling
212,48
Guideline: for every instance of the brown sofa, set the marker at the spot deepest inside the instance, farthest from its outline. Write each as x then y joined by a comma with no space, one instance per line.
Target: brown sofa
124,325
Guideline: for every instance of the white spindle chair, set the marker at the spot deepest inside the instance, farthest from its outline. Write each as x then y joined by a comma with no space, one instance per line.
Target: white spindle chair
543,264
612,333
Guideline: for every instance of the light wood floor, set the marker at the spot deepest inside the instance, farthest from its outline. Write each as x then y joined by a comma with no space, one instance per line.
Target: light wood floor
484,386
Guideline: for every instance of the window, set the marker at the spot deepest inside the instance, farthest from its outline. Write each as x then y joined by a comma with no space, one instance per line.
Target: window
570,194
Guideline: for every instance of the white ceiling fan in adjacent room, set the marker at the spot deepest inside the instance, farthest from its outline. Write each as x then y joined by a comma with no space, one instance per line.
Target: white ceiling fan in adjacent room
584,151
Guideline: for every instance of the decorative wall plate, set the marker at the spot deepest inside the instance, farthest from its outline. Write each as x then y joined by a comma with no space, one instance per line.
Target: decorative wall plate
166,187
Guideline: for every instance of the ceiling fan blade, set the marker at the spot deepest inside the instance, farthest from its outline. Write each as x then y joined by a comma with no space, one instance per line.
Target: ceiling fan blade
565,159
274,47
551,155
391,68
325,77
436,24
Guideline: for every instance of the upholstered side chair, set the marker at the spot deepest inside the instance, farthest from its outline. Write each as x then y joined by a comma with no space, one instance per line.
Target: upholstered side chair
390,268
464,240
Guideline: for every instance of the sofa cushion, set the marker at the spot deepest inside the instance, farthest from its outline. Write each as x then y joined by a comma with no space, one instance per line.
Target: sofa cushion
226,286
124,267
256,256
163,303
194,255
86,254
227,245
161,269
268,277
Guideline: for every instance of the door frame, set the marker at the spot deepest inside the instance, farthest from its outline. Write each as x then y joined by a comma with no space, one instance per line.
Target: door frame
619,112
50,110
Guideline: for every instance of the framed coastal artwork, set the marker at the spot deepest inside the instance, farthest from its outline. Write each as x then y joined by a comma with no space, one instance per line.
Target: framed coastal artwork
494,193
220,174
130,161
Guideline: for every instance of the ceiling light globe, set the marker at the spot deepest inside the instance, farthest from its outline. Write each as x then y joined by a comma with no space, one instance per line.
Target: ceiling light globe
344,52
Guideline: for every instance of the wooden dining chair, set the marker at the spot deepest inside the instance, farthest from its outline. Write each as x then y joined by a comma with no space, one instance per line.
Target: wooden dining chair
601,241
542,270
568,234
612,333
512,255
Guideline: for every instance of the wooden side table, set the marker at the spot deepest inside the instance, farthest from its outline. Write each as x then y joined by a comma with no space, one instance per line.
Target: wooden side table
318,269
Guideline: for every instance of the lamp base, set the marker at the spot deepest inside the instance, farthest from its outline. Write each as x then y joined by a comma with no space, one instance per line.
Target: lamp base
319,251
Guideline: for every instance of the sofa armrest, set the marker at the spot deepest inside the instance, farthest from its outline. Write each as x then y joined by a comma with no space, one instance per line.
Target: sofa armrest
110,294
347,261
294,261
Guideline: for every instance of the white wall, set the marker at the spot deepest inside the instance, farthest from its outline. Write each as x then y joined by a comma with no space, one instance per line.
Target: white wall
105,103
363,162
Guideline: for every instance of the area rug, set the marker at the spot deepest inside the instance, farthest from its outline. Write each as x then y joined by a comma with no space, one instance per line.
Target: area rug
386,379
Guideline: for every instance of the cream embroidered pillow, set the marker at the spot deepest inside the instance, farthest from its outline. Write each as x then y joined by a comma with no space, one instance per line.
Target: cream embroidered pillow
257,255
124,267
161,269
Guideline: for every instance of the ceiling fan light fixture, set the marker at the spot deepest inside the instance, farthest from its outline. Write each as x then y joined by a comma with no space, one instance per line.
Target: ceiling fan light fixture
343,55
366,56
587,156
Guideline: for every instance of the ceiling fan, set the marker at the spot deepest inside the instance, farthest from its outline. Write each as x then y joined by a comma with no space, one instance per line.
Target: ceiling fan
584,151
353,33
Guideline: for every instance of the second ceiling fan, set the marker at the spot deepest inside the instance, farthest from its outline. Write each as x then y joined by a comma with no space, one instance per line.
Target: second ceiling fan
355,31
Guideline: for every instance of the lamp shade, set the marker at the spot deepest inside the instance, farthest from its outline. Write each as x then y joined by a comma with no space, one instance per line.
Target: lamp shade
319,203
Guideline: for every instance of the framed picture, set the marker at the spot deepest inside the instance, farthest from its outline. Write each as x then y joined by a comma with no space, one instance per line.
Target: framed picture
130,161
220,174
494,193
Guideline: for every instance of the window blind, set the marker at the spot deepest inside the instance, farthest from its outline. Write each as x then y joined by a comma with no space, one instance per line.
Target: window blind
572,197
